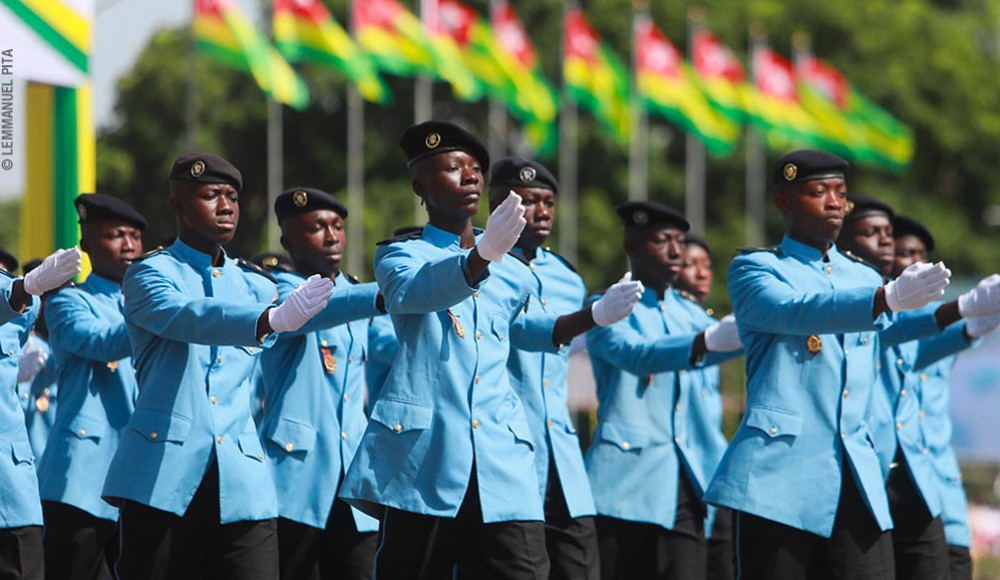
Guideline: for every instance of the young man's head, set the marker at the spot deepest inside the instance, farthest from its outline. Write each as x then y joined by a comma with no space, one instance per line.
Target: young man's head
913,244
312,229
110,233
537,188
205,198
867,231
809,190
654,241
448,164
696,269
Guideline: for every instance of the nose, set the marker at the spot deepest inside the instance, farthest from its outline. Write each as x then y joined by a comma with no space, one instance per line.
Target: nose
674,248
542,212
834,201
470,175
128,243
225,205
331,238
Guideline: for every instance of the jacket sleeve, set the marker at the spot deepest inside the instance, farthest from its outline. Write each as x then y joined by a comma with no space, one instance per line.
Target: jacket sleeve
413,285
765,302
532,331
950,341
911,325
7,312
75,328
154,303
348,302
622,346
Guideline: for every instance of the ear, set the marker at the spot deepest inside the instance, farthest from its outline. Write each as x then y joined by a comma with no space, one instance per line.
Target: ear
629,245
85,244
781,202
287,246
175,207
418,189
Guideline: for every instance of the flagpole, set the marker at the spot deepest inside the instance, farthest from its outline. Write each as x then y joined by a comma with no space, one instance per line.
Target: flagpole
756,174
694,155
568,135
191,112
638,151
497,117
275,150
355,173
423,95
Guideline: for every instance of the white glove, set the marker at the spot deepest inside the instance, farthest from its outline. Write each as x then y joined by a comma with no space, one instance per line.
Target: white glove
981,326
618,301
503,228
917,286
983,300
32,360
53,272
302,304
724,335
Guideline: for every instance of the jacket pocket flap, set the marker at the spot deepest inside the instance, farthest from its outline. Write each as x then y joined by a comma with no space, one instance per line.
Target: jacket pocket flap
250,445
522,432
773,422
159,426
625,437
292,436
401,416
21,450
85,428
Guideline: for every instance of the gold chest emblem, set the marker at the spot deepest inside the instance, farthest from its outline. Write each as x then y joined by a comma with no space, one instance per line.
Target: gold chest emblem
814,344
329,361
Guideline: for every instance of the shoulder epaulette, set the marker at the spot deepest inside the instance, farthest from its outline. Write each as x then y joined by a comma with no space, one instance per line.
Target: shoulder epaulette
251,267
686,294
352,278
6,273
402,238
850,256
519,257
149,254
563,260
773,249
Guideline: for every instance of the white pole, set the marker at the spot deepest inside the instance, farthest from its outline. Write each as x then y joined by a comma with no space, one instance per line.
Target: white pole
568,130
638,150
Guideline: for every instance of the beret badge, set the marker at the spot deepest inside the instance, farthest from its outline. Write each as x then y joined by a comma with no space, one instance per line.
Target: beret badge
300,198
849,207
527,174
197,168
790,171
640,217
82,211
432,140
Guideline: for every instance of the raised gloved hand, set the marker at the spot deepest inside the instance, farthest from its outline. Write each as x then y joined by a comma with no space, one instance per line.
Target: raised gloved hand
983,300
917,286
982,325
618,301
724,335
302,304
54,271
503,228
32,360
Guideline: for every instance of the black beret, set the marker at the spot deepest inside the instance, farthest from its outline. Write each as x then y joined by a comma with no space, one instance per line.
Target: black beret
97,207
433,137
520,172
8,259
306,199
860,206
806,165
650,213
693,240
273,262
906,226
407,230
206,168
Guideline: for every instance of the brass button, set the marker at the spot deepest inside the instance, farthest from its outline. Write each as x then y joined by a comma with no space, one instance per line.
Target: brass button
843,437
260,456
774,430
663,307
216,273
899,426
477,379
476,294
250,349
479,335
219,360
398,427
899,362
829,269
864,341
346,398
846,352
677,439
551,423
343,436
82,432
532,265
214,400
475,423
543,302
322,342
677,407
350,359
154,435
922,414
927,450
218,439
545,383
626,445
289,446
846,392
923,376
902,393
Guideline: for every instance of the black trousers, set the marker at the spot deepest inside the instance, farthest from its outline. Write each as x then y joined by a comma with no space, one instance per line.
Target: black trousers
421,547
21,553
157,545
339,551
959,563
571,542
917,538
78,545
857,549
721,555
630,550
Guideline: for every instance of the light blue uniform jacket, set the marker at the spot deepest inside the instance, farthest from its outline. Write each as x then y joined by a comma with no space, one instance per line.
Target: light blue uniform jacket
382,349
447,404
193,329
642,366
540,380
39,417
805,411
91,346
19,502
314,415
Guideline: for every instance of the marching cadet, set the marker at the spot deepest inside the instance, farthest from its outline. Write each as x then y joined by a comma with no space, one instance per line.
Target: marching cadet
88,338
21,554
196,496
916,340
539,378
645,468
314,412
913,243
447,459
801,471
694,281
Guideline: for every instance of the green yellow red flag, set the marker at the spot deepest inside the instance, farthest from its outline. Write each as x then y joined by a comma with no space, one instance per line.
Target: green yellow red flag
720,74
595,76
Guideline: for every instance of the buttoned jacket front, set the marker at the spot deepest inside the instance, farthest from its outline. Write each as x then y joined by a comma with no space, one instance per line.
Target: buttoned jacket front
382,349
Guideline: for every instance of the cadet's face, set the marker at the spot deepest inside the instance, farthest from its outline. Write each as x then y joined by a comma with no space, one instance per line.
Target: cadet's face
696,272
111,246
315,241
909,250
814,210
450,184
210,211
658,254
870,238
540,213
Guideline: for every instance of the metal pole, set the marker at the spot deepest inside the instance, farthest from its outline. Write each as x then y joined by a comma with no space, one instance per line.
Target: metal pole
191,113
356,178
497,120
423,97
638,150
275,153
568,129
694,157
756,161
